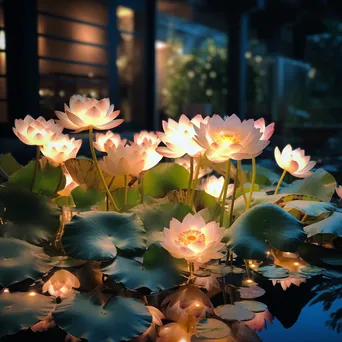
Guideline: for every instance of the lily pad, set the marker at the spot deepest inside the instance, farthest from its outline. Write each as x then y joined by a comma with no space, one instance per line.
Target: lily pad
120,319
263,175
310,208
251,292
231,312
85,197
20,260
19,310
133,198
64,261
330,225
252,305
8,165
264,224
333,260
211,329
332,274
158,271
98,235
224,269
273,272
310,270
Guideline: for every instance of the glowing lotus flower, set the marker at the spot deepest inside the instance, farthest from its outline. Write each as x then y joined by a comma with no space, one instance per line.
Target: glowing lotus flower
36,131
339,191
267,132
124,160
61,284
178,137
259,321
61,148
70,184
185,162
108,141
209,283
287,282
84,112
151,332
188,303
193,239
148,141
173,332
229,139
294,161
213,186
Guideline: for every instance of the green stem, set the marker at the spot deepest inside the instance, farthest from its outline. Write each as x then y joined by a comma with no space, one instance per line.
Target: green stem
190,179
233,201
239,171
93,154
280,181
249,201
107,198
142,187
36,167
225,190
126,188
194,183
60,179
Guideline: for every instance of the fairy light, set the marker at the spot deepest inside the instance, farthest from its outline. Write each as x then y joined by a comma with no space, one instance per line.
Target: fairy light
249,281
268,253
296,263
197,305
6,290
252,265
32,294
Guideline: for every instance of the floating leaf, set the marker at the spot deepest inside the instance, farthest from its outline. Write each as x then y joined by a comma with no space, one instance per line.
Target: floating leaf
8,165
265,222
310,208
211,329
133,198
158,271
120,319
332,274
311,270
164,178
330,225
263,175
19,310
64,261
273,272
252,305
231,312
20,260
251,292
85,198
335,260
224,269
321,184
97,235
316,255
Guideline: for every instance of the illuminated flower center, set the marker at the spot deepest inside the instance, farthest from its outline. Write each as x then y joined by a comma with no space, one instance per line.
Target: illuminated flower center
191,236
227,136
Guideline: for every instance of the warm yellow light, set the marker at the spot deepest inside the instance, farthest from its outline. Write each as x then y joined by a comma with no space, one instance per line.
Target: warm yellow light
32,293
124,12
197,305
160,44
182,340
252,265
6,291
2,40
296,263
249,281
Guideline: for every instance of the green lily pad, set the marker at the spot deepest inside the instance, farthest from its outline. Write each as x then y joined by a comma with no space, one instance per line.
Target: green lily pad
211,329
120,319
311,270
310,208
316,255
264,224
224,269
273,272
252,305
251,292
231,312
8,165
333,260
330,225
298,275
164,178
20,260
133,198
158,271
85,197
98,235
64,261
19,310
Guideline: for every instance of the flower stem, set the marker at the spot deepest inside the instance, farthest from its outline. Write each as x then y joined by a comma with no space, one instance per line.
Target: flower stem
249,201
191,267
93,154
239,171
233,201
194,183
280,181
60,179
190,179
225,190
126,188
142,187
107,198
36,167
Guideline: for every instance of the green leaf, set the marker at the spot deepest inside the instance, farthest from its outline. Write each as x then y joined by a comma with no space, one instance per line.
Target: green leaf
320,184
318,255
159,270
330,225
310,208
19,310
209,329
164,178
63,261
49,180
97,235
133,198
29,216
121,319
156,217
263,175
85,197
20,260
8,165
264,223
252,305
230,312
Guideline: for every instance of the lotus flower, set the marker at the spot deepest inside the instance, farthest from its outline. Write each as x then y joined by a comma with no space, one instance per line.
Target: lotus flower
229,139
151,332
259,321
70,185
124,160
61,284
213,186
36,131
178,137
61,148
185,162
267,132
193,239
339,191
148,141
84,112
173,332
294,161
187,304
209,283
107,141
287,282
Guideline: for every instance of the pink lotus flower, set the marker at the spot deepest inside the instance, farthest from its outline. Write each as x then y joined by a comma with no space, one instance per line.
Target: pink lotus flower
36,131
61,284
259,321
294,161
108,141
287,282
267,132
85,112
213,186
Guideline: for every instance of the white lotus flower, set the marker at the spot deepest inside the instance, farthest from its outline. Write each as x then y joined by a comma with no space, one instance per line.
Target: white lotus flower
36,131
84,112
294,161
146,137
267,132
213,186
107,141
61,284
178,137
229,139
193,239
